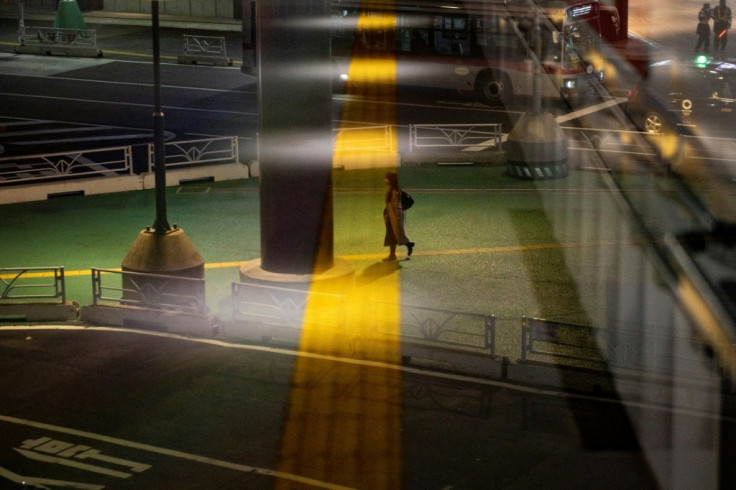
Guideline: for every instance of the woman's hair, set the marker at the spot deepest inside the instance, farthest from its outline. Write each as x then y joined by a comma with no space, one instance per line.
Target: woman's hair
393,179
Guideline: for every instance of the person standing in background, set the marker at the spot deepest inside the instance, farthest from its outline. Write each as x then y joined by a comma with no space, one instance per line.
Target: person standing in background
703,30
721,25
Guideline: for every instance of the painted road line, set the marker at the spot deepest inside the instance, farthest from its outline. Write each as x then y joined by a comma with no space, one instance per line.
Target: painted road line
131,104
591,109
73,464
354,420
42,482
134,84
171,453
560,119
484,145
115,137
359,257
70,129
460,378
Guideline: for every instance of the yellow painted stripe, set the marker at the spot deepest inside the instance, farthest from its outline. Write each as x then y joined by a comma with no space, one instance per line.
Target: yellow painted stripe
344,422
378,256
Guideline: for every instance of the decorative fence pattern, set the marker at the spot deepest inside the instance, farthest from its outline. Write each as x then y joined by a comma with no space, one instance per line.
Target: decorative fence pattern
447,328
646,350
156,291
421,326
197,152
51,36
455,136
87,163
282,307
205,46
32,283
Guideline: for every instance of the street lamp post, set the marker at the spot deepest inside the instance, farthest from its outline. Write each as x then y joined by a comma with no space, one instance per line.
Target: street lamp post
161,225
162,249
536,147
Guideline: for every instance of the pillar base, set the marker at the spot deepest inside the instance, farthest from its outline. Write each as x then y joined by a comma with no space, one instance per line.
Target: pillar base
536,148
164,254
170,253
333,279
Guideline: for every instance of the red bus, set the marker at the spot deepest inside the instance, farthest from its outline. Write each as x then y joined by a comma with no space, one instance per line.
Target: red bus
483,47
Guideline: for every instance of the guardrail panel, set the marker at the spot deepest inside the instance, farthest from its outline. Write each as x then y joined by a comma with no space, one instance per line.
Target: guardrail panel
57,36
455,136
203,151
32,283
155,291
30,168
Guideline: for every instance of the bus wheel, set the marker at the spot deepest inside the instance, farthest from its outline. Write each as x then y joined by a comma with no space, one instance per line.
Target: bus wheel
493,88
653,123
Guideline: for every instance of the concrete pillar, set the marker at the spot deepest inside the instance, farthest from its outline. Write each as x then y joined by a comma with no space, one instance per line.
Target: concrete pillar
295,139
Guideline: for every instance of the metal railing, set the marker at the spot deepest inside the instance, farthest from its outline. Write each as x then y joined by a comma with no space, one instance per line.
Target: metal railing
156,291
85,163
559,340
198,152
482,136
205,46
52,36
32,283
447,329
652,350
422,326
365,138
283,307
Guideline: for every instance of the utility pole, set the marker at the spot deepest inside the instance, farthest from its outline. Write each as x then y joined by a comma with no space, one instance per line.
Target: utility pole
21,24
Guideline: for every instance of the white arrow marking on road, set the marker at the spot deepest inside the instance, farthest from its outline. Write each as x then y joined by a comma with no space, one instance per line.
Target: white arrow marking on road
71,463
95,454
33,480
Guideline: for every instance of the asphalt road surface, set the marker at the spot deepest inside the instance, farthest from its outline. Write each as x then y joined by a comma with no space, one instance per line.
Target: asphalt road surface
110,409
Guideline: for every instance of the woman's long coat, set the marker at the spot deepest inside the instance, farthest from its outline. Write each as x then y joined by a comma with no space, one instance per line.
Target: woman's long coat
393,217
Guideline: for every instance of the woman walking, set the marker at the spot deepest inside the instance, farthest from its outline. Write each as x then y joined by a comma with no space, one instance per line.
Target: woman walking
393,217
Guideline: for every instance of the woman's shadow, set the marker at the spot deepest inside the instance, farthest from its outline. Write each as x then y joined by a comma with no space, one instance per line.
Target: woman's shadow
376,271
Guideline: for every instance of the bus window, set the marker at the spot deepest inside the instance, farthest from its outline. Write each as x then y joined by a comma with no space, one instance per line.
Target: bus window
451,36
413,41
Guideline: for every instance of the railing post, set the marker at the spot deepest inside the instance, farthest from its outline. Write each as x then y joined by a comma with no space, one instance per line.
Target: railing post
61,280
95,286
149,147
490,322
524,327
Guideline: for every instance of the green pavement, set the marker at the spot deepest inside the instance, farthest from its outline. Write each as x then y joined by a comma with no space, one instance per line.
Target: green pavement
486,243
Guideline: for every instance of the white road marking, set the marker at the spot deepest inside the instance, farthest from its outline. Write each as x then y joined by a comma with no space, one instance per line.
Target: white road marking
88,138
132,104
591,109
484,145
72,464
78,451
33,480
560,119
383,365
173,453
135,84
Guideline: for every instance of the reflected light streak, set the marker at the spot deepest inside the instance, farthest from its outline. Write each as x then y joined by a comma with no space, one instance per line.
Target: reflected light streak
344,421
